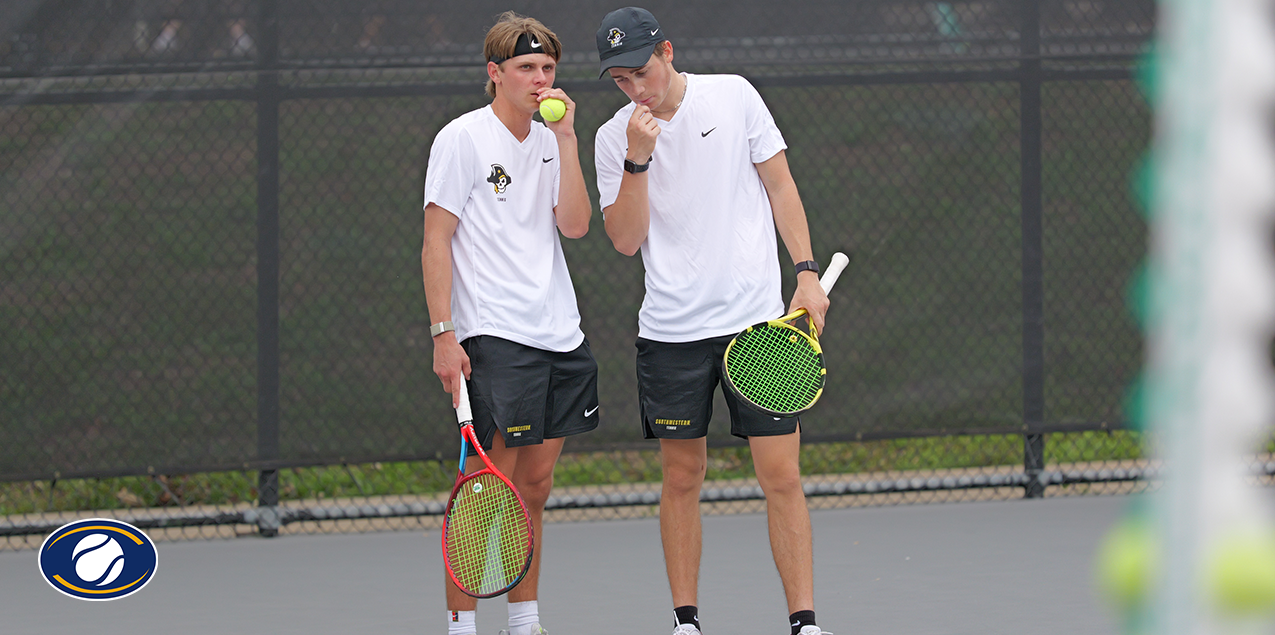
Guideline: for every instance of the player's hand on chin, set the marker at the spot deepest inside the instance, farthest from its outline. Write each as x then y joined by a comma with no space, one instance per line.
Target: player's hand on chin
641,132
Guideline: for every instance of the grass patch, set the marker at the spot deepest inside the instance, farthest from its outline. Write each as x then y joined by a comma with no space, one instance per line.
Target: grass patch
584,468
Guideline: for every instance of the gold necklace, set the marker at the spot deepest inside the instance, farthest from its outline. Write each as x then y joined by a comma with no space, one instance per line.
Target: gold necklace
679,101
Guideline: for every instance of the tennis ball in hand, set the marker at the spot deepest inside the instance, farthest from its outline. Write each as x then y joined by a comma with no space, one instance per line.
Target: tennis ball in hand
1128,563
1241,573
553,109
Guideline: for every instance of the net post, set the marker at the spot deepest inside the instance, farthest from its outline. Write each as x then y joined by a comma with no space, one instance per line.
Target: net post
1209,377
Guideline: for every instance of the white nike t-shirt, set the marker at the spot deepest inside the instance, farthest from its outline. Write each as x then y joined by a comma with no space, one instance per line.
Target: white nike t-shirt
509,278
711,258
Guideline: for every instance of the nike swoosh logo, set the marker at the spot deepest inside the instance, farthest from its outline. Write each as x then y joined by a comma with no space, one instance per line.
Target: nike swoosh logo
705,134
796,623
655,31
535,44
588,413
546,160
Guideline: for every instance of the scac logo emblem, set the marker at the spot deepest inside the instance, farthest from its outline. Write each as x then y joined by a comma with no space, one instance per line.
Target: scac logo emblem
98,559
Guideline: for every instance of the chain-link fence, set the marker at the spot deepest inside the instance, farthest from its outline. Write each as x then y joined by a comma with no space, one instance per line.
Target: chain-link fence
210,237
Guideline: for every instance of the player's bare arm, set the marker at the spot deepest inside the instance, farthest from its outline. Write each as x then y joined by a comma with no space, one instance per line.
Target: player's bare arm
629,218
790,220
450,360
574,209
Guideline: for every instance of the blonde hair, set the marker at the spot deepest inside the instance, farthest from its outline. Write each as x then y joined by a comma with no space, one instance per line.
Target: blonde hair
502,37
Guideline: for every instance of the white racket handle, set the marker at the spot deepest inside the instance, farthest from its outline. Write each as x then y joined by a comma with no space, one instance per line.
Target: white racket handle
838,264
463,412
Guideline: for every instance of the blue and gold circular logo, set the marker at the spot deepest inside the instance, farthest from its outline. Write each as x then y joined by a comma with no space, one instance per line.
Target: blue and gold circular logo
98,559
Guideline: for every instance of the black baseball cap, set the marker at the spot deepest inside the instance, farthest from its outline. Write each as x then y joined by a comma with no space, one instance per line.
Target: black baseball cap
627,38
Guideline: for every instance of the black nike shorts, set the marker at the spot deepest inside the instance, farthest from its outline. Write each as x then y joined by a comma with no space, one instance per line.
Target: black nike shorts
530,394
675,392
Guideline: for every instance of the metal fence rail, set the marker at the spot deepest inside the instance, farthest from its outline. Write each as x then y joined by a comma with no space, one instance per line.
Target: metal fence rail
274,518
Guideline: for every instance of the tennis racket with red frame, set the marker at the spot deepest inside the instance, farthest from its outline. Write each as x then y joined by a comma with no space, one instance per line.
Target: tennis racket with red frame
487,534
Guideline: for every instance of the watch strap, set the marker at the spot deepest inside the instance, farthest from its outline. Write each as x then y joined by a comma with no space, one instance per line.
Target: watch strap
634,168
806,265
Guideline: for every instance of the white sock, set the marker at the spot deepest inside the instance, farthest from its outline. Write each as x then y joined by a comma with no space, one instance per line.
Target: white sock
461,623
522,616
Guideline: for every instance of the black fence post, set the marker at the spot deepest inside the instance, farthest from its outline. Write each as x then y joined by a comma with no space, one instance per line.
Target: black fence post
268,266
1032,239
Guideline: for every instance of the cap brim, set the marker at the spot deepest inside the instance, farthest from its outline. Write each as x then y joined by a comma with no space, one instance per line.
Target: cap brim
633,59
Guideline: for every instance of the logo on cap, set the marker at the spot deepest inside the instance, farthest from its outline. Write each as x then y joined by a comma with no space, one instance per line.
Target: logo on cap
615,37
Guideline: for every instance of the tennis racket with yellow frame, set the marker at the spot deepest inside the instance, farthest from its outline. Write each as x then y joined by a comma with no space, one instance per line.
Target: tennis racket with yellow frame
775,367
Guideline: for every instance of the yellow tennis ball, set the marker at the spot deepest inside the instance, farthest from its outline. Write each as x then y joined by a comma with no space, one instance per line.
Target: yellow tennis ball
553,109
1128,564
1240,572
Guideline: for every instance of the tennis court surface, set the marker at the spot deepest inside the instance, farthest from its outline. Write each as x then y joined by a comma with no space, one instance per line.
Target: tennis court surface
985,568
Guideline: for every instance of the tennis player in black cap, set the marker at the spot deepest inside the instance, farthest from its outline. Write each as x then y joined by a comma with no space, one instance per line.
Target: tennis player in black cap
693,174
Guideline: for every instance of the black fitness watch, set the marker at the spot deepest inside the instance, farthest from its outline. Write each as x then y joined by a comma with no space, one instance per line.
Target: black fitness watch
806,265
634,168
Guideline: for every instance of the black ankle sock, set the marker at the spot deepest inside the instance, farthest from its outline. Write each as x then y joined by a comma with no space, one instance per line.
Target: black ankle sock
688,614
800,619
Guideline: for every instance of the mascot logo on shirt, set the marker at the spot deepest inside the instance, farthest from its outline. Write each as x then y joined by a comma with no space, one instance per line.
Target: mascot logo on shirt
615,37
499,179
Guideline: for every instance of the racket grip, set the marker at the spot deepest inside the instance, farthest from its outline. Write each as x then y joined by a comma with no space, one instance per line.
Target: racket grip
463,412
838,264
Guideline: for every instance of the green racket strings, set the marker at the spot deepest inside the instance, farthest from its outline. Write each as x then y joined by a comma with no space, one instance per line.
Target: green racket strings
487,536
775,368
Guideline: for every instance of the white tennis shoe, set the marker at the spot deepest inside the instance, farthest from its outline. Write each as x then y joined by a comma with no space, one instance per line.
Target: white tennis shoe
536,629
686,629
813,630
